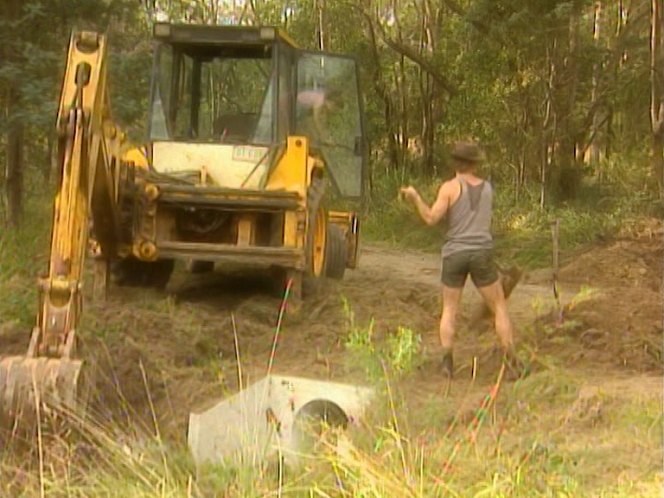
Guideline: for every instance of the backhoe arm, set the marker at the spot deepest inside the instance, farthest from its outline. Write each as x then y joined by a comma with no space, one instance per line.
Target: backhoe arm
89,149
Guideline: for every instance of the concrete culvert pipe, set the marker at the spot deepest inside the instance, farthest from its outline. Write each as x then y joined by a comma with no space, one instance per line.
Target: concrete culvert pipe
278,415
312,420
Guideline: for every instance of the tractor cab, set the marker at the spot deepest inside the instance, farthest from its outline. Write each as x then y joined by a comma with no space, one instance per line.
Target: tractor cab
225,99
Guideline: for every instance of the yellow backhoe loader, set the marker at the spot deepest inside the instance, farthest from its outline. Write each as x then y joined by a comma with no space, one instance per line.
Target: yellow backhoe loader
250,142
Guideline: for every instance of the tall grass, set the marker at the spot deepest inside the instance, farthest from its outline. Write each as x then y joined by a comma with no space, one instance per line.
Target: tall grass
540,438
23,257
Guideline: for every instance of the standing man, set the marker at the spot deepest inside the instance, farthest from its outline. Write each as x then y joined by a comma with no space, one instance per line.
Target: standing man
466,201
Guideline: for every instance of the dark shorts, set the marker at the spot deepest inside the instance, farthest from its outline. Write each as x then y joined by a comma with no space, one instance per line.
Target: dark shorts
479,263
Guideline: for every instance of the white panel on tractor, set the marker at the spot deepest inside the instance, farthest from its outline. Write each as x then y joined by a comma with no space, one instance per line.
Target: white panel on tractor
272,416
232,166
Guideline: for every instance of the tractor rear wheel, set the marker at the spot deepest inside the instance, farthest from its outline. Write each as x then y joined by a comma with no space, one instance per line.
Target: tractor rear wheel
335,259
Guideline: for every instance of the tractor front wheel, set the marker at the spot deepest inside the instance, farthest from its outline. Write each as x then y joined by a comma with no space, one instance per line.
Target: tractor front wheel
316,238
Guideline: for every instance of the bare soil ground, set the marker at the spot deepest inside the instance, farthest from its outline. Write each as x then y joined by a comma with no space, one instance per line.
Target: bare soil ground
161,355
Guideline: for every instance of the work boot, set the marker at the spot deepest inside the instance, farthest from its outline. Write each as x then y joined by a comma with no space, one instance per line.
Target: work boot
515,368
448,364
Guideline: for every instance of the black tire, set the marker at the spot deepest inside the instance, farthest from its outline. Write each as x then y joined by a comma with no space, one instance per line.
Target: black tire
196,266
335,253
315,194
132,272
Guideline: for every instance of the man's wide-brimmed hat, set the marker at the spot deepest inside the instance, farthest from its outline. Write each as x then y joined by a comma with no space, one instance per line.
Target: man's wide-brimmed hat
468,151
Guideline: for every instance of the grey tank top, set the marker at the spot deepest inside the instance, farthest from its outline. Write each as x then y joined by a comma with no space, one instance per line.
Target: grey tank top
469,219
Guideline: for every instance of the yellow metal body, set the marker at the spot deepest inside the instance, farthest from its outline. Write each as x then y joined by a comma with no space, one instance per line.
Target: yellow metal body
102,175
294,173
90,148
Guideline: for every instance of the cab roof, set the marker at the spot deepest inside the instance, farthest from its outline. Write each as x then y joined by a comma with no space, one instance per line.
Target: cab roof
204,34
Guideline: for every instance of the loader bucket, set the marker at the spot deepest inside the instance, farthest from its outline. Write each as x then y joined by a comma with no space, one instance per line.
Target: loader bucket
28,384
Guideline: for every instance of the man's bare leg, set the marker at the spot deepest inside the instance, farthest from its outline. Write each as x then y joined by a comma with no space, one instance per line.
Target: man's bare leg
451,299
495,299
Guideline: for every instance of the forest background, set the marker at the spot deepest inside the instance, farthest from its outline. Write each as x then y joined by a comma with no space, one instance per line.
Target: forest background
566,96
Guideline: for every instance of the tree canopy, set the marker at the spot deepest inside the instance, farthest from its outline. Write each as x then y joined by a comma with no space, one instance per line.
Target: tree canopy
554,89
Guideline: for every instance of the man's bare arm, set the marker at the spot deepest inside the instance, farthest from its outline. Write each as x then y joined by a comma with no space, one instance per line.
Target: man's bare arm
431,215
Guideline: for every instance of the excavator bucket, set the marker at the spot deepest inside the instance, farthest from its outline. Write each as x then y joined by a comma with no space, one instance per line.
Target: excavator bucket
27,384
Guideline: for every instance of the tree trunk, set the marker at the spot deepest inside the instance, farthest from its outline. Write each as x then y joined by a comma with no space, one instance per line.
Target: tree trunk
596,138
656,97
402,89
384,94
13,173
404,128
428,88
566,77
547,132
14,167
323,39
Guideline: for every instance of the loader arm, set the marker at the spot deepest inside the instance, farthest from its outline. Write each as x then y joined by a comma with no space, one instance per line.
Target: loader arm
89,148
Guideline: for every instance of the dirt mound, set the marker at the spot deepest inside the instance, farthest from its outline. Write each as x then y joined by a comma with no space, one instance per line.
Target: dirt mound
630,261
622,326
620,320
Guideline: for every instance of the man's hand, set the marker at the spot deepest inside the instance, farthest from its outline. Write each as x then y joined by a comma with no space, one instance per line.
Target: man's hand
409,193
